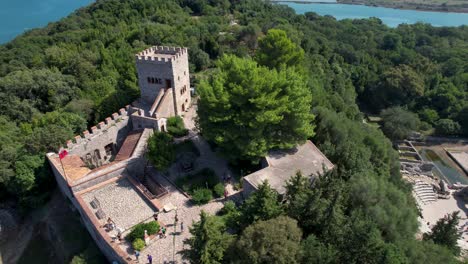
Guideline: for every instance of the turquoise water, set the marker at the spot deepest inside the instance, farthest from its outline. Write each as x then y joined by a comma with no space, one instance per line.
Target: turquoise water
16,16
389,16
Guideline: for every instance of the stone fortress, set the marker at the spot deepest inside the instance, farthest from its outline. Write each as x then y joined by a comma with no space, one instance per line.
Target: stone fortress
114,149
105,174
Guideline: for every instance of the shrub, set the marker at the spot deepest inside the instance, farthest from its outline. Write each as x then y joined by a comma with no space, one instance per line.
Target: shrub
218,190
175,127
138,244
138,231
205,178
161,150
229,207
447,127
202,196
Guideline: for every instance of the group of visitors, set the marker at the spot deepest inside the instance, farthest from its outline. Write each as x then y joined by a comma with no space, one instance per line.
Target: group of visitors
148,257
110,225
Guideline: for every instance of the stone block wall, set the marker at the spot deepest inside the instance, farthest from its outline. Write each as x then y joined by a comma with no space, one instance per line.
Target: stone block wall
91,147
139,120
62,183
110,250
182,98
167,64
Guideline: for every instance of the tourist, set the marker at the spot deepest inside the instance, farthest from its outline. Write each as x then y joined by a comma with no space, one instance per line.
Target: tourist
137,255
150,259
164,231
176,218
155,216
181,227
225,193
119,233
110,224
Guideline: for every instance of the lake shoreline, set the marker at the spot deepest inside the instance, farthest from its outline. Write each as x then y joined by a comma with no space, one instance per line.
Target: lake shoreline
422,8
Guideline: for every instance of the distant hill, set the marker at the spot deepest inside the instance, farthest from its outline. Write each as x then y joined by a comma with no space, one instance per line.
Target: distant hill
460,6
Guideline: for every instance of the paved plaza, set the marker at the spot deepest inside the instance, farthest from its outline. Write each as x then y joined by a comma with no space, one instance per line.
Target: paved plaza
121,202
169,249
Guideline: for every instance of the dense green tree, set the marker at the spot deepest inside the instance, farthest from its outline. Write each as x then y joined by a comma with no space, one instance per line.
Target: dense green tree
445,232
276,50
447,127
429,115
315,252
399,123
209,241
161,151
399,85
391,41
272,241
84,65
263,204
462,118
247,109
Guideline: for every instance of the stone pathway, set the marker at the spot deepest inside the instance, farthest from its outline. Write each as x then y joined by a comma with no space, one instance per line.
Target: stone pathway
169,249
207,158
166,250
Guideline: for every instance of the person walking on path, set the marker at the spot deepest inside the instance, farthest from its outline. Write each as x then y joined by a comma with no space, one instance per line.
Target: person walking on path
137,255
225,193
181,227
164,231
155,216
150,259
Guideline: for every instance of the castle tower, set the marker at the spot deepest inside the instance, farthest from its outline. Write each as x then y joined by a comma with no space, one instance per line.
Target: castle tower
163,77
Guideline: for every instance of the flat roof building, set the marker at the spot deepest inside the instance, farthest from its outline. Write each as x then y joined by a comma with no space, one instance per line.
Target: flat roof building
281,165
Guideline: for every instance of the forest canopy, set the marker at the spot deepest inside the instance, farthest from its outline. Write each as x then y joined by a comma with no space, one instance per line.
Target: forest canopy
60,79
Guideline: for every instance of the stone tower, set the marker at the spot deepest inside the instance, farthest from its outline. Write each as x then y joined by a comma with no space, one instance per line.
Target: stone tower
163,77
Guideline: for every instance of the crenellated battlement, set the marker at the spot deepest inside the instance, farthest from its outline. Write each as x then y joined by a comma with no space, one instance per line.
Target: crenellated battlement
100,128
161,54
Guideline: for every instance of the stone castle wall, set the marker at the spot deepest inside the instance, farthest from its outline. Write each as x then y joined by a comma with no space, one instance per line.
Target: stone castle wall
91,147
139,120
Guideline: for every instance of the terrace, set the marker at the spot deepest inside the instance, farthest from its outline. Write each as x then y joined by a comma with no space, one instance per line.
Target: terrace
120,201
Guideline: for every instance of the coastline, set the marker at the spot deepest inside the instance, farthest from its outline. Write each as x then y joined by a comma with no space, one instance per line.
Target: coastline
399,6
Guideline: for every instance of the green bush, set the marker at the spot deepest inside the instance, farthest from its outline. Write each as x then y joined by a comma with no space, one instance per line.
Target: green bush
138,244
229,207
175,126
205,178
202,196
161,150
138,231
218,190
